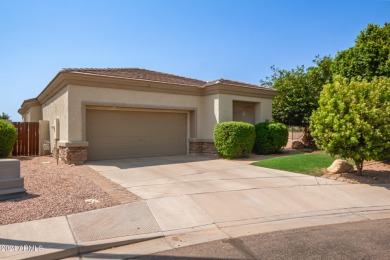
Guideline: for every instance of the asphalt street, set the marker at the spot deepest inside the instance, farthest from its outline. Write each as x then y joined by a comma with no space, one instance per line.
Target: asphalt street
358,240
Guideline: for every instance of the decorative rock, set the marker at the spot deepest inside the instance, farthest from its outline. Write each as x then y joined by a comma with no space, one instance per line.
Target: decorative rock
340,166
297,145
91,201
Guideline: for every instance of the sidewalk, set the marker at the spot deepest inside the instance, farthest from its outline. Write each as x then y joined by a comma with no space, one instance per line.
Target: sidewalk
66,236
101,230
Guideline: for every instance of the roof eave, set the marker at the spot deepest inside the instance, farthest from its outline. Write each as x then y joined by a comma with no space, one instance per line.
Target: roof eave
27,104
63,79
140,80
222,88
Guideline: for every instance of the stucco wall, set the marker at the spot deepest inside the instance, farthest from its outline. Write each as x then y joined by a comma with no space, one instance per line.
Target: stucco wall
209,116
263,110
79,95
33,114
57,107
209,109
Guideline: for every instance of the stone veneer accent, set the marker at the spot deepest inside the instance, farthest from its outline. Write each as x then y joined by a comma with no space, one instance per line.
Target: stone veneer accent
202,146
78,154
72,155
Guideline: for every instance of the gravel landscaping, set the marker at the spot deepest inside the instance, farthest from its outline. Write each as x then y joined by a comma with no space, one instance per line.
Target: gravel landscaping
373,173
54,190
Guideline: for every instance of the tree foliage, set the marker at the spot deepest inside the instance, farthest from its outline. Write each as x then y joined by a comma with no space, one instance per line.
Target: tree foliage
299,91
369,57
4,116
353,119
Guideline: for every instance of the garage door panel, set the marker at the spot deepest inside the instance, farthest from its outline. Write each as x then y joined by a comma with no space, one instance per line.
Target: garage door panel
126,134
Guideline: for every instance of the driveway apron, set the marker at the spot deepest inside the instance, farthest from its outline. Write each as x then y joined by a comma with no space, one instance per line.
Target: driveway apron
195,192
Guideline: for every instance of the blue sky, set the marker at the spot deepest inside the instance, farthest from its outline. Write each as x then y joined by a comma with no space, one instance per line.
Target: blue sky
209,39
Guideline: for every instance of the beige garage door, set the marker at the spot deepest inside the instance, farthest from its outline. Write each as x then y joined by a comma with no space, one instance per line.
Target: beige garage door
127,134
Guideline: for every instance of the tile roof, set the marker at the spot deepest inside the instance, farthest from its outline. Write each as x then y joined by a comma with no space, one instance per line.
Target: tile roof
143,74
135,73
235,83
31,100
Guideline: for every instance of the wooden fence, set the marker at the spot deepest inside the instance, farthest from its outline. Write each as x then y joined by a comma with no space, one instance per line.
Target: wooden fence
27,143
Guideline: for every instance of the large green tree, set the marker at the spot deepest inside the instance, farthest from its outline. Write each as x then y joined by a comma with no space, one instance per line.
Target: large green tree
299,91
353,119
369,57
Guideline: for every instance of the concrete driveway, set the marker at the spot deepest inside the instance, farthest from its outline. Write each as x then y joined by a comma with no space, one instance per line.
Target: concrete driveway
200,192
193,199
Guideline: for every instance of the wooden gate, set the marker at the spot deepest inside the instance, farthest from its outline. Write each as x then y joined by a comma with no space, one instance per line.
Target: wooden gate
27,143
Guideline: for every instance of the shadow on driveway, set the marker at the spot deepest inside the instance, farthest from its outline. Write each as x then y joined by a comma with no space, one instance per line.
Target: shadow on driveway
150,161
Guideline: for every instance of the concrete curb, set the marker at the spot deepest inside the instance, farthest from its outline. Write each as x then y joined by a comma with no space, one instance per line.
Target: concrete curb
94,246
61,237
212,232
115,242
186,237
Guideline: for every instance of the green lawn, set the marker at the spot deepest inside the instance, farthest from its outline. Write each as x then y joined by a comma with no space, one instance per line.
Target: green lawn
312,164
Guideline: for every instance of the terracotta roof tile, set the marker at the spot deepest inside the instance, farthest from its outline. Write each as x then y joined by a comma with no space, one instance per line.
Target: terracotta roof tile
135,73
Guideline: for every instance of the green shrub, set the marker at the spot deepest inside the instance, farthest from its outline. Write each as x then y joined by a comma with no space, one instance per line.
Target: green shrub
234,139
270,137
353,120
8,136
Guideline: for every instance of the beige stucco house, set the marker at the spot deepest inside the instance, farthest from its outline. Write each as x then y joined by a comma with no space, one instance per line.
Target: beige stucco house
97,114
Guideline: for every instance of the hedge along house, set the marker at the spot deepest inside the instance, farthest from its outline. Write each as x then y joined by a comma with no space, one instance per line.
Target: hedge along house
98,114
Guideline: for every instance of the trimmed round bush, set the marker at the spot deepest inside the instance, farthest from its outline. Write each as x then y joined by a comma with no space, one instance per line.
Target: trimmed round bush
234,139
8,136
270,137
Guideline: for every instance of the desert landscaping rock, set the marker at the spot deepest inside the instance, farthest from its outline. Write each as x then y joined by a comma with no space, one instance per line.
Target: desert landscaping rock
373,173
53,190
91,201
297,145
340,166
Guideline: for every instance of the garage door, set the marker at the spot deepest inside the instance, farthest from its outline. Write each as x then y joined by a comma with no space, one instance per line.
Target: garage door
126,134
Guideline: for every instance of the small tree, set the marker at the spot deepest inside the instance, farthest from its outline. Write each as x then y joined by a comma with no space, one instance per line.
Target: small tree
4,116
353,119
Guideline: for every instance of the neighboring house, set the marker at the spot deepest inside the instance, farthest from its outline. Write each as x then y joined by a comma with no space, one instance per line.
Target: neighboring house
97,114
